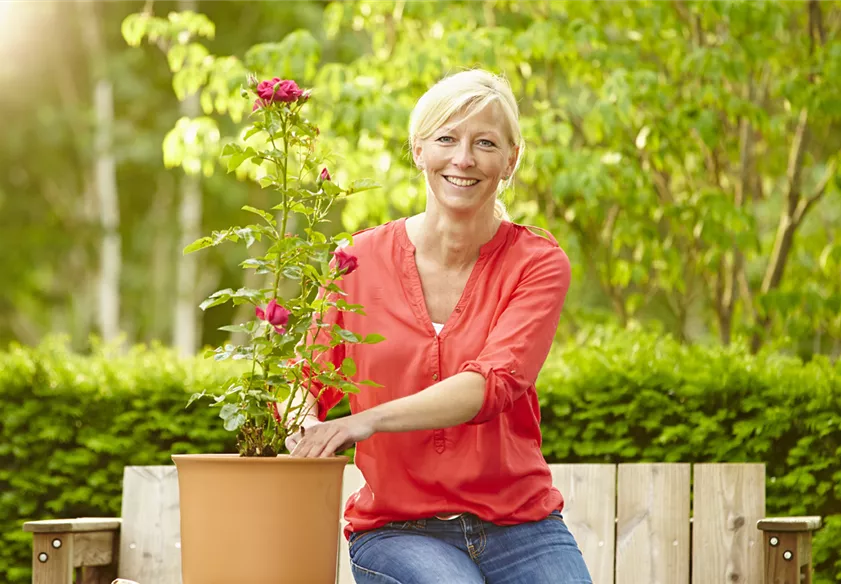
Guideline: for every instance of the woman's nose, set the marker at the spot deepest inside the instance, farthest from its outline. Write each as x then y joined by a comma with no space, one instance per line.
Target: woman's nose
463,156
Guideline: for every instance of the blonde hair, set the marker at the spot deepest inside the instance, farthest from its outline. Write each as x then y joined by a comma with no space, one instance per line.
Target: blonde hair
469,92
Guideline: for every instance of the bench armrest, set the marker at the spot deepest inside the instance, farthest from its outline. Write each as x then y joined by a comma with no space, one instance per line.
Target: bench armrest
60,547
790,524
787,542
80,525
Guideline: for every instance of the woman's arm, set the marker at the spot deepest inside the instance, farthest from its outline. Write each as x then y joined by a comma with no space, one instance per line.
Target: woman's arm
448,403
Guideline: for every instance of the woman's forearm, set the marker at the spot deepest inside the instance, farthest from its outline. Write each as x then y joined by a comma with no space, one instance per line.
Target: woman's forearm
450,402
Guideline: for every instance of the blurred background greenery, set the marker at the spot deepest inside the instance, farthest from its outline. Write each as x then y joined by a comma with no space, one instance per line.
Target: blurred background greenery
685,154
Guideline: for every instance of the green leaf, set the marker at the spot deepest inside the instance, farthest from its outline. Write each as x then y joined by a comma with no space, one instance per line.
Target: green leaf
133,28
217,298
267,216
236,160
342,239
198,244
364,184
331,188
234,423
251,132
228,410
372,339
234,328
193,398
346,335
231,148
368,383
349,367
348,387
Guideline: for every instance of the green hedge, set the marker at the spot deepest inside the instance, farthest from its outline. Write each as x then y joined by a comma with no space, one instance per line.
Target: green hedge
70,424
638,397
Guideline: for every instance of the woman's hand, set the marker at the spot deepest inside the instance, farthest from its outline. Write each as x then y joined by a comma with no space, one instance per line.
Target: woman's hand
293,439
334,436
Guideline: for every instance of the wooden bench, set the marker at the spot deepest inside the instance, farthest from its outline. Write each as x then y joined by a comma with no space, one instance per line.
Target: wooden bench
632,522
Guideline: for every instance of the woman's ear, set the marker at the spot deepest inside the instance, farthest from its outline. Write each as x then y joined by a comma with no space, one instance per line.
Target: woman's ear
512,161
417,151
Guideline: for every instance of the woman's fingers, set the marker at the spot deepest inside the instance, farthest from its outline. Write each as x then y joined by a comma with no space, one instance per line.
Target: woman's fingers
320,441
327,438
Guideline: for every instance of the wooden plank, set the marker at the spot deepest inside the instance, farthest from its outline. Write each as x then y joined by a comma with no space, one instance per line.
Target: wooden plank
729,500
652,532
150,542
79,525
589,492
93,548
52,558
352,481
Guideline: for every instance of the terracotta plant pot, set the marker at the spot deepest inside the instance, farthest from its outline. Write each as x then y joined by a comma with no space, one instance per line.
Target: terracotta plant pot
259,520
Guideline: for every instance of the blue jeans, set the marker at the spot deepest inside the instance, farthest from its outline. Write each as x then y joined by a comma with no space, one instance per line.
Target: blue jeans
467,550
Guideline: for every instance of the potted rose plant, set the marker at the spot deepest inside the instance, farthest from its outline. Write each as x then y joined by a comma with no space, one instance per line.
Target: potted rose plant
261,516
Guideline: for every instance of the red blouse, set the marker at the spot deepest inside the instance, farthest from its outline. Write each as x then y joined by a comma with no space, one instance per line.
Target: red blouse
501,328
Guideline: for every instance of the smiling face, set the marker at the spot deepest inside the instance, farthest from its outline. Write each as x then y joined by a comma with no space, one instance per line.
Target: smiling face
465,159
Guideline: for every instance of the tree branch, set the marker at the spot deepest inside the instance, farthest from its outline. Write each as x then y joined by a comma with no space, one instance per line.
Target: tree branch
807,203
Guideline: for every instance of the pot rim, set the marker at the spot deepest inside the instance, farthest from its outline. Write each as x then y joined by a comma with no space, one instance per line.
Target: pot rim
283,458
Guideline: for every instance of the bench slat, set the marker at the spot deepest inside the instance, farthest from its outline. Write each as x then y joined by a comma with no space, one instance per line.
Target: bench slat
151,525
652,533
589,492
727,547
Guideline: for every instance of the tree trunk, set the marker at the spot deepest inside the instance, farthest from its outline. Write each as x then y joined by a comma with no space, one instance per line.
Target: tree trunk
187,330
105,181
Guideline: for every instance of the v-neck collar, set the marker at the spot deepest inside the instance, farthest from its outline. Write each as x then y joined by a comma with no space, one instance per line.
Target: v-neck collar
412,280
499,237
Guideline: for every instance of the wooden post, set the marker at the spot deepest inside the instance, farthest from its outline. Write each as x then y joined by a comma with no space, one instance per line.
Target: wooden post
52,558
788,548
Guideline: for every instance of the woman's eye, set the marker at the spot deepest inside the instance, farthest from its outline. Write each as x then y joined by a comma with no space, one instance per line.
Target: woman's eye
445,139
487,143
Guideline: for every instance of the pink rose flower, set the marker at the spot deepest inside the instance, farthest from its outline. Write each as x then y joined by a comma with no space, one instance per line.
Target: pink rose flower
325,174
345,262
275,315
279,90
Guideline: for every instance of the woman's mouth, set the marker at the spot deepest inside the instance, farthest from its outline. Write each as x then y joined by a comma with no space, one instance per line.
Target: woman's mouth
461,182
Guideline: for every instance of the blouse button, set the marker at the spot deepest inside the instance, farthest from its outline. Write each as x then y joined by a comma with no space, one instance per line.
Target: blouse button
435,376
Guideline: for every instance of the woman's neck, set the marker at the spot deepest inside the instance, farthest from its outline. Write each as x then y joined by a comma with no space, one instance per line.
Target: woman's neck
452,244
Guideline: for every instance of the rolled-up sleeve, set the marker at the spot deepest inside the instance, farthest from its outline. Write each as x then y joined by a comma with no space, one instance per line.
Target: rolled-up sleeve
520,340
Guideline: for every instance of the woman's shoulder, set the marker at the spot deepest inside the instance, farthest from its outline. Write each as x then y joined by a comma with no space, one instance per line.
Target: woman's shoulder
536,241
375,235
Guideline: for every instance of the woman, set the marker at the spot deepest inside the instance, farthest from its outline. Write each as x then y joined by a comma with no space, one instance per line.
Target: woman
457,490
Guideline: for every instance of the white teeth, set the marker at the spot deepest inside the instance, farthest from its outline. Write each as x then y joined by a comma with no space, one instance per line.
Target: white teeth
461,182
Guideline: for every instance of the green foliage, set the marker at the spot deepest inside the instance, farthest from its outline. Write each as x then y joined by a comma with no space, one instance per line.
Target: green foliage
636,396
658,138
